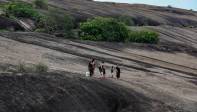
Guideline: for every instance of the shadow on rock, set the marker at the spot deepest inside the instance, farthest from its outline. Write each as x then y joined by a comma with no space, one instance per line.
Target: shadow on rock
54,92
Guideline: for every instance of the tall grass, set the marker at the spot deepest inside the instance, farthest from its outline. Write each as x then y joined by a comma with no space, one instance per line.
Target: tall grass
37,68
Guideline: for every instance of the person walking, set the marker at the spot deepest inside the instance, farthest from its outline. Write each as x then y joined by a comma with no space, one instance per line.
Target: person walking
91,67
112,71
103,70
100,70
117,72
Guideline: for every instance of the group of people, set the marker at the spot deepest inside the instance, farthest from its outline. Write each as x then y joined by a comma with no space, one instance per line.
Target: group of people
102,70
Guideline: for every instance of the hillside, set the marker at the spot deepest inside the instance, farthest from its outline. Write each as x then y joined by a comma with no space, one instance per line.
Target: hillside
168,77
55,92
152,15
158,77
141,14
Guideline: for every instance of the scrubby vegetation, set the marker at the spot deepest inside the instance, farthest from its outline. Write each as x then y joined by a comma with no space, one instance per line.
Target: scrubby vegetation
37,68
108,29
41,67
143,37
52,20
56,23
21,9
22,68
41,4
126,20
103,29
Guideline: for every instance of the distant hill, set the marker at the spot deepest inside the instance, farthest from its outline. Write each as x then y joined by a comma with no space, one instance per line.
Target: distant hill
153,15
141,13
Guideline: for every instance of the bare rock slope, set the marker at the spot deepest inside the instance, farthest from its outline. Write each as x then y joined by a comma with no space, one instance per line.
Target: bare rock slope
53,92
141,14
153,77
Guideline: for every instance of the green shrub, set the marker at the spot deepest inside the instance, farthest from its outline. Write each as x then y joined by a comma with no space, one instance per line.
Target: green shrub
21,68
41,4
21,9
143,37
55,22
40,68
89,37
126,20
103,29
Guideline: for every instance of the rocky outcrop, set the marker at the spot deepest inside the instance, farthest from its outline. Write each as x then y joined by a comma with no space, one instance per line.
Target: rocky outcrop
8,24
55,92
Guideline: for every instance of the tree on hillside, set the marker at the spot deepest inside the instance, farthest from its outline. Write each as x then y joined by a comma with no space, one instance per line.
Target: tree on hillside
57,23
103,29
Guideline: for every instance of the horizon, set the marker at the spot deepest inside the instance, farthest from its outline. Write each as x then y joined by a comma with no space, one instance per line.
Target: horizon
183,4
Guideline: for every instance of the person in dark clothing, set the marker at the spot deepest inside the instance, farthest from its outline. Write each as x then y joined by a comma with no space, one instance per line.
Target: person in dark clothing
100,70
91,67
112,71
103,69
117,72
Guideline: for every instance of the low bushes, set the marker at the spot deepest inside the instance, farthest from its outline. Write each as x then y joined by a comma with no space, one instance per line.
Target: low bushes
108,29
127,20
41,4
21,10
103,29
56,23
40,30
143,37
97,29
38,68
22,68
